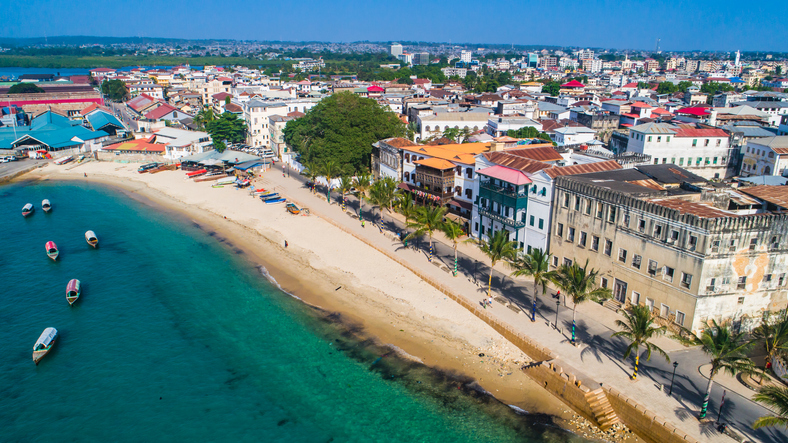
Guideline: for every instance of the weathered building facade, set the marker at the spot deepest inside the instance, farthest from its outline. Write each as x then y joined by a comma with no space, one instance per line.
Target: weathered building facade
691,257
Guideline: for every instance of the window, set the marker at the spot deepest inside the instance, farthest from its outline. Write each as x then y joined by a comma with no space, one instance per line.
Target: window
571,236
706,142
649,138
636,259
577,203
603,283
686,280
775,242
594,243
626,220
742,283
753,244
714,160
741,300
659,139
608,247
781,280
715,246
664,310
667,273
567,261
674,235
541,223
679,318
681,161
532,220
668,139
635,298
693,242
588,206
650,304
719,141
652,268
559,230
711,287
583,239
555,261
476,227
566,200
600,208
611,215
642,225
767,278
732,246
658,231
694,142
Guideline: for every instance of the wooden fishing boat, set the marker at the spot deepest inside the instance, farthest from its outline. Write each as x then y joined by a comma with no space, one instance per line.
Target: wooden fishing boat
227,181
73,291
171,167
148,167
243,183
64,160
293,209
28,209
196,173
269,195
275,201
211,176
44,344
52,251
91,238
46,206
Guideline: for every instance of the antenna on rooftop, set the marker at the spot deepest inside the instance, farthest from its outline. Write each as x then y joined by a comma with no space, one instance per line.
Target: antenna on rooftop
656,49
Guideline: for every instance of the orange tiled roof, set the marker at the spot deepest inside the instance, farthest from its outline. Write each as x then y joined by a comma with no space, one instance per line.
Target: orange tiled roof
436,163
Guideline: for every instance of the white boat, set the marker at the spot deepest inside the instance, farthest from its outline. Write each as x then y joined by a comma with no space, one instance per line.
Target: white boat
46,206
91,238
27,209
44,344
64,160
226,181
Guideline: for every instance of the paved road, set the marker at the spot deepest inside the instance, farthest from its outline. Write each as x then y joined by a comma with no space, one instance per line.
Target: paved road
10,169
739,412
124,115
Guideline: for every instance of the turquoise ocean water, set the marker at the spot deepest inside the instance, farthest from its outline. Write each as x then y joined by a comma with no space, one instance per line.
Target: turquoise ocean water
178,337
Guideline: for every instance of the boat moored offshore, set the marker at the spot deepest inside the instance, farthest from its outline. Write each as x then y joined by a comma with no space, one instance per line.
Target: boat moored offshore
73,290
28,209
46,206
91,238
52,251
44,344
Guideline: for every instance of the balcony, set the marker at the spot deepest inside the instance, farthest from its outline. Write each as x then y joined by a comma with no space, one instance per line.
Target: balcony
501,219
508,191
505,196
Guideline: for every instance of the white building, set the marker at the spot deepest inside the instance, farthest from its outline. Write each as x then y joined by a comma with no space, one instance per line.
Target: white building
500,125
256,115
435,124
705,152
395,50
573,135
181,143
465,56
766,156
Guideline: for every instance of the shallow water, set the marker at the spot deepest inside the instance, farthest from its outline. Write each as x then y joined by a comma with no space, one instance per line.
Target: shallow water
177,336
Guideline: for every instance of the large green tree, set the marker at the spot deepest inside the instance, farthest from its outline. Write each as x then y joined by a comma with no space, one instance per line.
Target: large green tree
25,88
528,132
228,127
551,88
342,127
114,89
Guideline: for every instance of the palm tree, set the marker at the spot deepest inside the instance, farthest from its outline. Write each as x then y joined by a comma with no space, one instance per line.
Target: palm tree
497,247
362,182
428,219
639,328
453,231
578,282
775,339
407,207
329,170
728,352
204,117
311,171
345,185
383,194
535,264
777,399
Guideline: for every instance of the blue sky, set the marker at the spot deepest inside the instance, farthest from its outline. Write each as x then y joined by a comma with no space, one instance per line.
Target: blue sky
682,25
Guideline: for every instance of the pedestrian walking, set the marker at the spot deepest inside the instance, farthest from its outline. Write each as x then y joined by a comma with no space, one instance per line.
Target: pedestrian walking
285,243
489,300
363,223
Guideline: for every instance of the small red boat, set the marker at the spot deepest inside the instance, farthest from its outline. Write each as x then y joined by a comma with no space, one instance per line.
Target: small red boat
73,291
196,173
52,251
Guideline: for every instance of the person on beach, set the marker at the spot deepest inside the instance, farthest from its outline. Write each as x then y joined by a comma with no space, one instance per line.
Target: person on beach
86,175
489,300
362,224
285,243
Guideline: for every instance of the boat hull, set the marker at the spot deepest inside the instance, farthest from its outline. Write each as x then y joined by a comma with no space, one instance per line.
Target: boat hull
47,209
38,355
91,238
53,255
73,291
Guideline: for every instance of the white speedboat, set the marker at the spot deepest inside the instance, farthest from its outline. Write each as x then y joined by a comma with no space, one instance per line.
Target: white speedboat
44,344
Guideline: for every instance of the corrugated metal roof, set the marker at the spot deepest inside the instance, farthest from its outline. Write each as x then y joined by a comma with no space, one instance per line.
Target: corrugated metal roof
539,153
777,195
515,162
696,209
587,168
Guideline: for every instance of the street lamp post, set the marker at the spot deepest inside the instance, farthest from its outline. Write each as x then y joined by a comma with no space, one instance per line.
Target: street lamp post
557,305
675,365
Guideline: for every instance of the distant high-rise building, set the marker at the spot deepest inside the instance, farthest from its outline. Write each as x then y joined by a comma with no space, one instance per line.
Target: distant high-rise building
396,49
421,58
533,60
465,56
738,59
585,54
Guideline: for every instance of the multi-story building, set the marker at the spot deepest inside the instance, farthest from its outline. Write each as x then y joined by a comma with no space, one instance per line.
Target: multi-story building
256,114
421,58
466,56
691,254
765,156
705,152
395,49
276,126
549,62
436,123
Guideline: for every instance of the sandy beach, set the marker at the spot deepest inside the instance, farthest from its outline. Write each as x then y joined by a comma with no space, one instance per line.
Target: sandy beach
329,268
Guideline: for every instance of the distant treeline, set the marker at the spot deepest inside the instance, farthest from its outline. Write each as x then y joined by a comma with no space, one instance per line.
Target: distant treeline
66,61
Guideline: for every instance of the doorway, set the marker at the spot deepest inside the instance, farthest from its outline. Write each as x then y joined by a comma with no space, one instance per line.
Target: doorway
620,291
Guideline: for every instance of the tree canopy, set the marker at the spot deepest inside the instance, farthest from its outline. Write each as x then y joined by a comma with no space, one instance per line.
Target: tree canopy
114,89
528,132
25,88
551,88
226,127
342,127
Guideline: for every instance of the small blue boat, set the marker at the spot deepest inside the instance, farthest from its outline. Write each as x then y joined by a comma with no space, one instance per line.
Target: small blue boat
270,195
275,201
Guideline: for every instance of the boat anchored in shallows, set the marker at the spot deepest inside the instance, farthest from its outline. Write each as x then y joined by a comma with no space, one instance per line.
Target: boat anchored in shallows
73,290
27,209
52,251
44,344
46,206
91,238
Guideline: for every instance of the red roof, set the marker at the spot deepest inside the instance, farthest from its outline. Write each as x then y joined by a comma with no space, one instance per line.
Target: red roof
374,88
691,132
701,112
630,115
660,111
630,85
421,81
508,175
641,105
573,84
161,111
221,95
